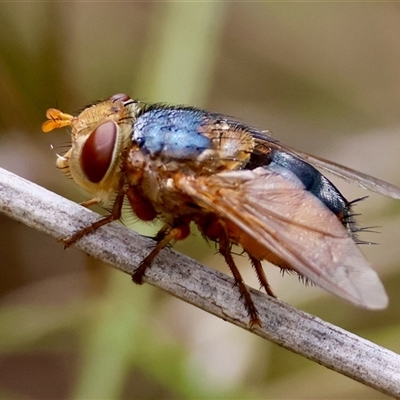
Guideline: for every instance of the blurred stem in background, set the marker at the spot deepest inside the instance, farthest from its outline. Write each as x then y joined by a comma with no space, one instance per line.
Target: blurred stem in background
173,64
180,53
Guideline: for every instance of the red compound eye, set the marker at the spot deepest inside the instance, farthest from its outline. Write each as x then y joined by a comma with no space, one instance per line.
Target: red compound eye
119,97
98,150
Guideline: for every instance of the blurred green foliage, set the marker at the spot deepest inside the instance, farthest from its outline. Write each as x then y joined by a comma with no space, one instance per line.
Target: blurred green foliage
322,76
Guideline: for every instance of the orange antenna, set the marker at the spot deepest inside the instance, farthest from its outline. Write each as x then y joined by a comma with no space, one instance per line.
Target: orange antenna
56,119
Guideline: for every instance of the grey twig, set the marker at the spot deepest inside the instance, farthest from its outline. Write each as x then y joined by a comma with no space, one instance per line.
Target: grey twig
203,287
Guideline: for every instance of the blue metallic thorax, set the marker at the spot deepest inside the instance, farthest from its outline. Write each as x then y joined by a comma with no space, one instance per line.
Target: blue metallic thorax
171,132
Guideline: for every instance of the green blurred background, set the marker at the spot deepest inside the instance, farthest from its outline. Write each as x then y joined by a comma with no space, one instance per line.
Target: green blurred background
324,77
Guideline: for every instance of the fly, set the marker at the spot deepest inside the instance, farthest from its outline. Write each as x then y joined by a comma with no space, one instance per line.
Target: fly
236,183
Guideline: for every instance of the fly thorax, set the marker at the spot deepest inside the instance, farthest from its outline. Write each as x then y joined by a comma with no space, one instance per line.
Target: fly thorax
231,147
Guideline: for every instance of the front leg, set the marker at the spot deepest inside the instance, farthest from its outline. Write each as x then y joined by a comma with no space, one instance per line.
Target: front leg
115,215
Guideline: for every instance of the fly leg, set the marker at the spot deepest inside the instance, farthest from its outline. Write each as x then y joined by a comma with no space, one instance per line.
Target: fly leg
91,202
262,278
165,236
115,215
225,250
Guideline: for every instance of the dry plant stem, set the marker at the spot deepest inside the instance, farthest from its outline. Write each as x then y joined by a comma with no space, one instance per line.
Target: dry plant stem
203,287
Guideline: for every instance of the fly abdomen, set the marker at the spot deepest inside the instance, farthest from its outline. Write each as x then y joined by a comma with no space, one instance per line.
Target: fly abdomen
317,184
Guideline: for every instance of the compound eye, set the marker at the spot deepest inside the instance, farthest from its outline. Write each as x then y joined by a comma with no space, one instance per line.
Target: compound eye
97,152
119,97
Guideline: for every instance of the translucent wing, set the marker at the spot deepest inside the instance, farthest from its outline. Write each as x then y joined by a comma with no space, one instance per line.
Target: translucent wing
277,213
357,178
360,179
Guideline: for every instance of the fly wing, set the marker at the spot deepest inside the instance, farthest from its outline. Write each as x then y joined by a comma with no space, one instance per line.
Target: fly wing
357,178
276,211
360,179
